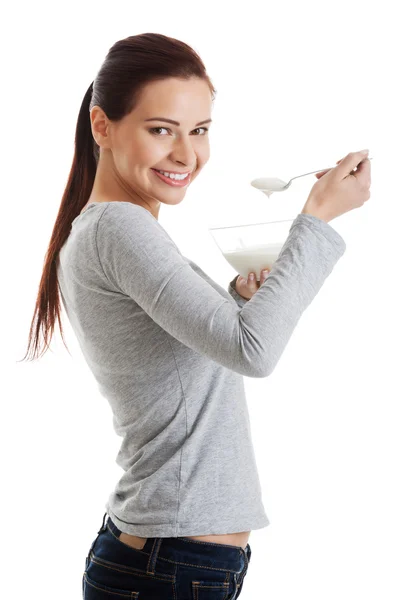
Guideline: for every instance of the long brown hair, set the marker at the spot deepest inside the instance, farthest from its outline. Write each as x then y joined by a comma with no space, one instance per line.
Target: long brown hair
130,64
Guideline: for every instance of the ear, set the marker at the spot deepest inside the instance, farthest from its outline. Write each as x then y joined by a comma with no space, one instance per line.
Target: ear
101,127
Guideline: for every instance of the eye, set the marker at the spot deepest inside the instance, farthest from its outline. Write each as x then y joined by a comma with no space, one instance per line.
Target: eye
205,129
154,129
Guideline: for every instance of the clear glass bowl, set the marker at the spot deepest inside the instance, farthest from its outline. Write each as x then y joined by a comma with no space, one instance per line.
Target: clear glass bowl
251,248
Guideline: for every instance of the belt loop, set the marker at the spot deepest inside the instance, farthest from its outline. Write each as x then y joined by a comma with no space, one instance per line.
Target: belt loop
248,548
103,526
154,555
247,554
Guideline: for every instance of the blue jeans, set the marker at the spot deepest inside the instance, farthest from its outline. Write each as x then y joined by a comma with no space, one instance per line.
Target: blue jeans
165,568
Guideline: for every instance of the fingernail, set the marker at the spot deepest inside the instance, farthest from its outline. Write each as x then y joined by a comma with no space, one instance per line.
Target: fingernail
251,276
265,272
364,151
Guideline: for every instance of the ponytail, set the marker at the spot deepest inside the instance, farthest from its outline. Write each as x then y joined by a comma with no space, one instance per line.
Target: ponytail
77,191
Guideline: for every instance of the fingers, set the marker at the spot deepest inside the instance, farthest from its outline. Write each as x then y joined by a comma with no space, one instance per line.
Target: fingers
363,173
321,173
252,284
349,163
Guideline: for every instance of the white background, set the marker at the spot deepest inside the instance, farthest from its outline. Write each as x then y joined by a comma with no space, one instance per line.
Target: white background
299,85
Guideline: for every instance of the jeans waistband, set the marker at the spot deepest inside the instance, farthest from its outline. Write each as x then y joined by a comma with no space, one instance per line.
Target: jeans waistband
201,553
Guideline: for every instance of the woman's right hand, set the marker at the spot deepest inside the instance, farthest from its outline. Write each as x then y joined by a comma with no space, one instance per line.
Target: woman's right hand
340,189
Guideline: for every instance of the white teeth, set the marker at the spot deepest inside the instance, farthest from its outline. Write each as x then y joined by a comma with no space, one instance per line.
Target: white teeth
174,176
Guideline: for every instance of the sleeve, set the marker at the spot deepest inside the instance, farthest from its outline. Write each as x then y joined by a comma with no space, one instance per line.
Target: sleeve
240,301
140,259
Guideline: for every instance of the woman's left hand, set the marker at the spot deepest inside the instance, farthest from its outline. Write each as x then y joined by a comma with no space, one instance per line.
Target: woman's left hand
248,287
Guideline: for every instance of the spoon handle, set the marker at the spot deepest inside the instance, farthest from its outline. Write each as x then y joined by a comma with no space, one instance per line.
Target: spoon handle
318,171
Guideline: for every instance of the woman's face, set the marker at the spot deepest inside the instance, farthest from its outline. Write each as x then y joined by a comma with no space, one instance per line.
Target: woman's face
132,148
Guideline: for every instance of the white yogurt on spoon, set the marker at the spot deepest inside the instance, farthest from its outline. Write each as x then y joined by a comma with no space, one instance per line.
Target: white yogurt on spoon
268,185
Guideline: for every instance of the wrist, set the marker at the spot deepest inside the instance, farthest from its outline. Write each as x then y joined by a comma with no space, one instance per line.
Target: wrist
312,210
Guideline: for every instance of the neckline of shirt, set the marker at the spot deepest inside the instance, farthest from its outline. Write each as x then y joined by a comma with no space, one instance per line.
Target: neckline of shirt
91,204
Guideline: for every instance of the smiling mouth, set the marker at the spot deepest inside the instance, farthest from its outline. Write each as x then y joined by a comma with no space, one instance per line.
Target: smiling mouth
173,182
174,172
168,173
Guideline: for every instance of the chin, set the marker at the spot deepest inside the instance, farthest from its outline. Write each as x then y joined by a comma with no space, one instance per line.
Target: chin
174,203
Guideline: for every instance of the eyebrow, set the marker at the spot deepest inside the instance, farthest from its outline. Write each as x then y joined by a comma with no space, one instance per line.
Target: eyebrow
176,122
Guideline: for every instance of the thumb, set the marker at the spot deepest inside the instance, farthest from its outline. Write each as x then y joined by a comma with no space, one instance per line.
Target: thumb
350,162
321,173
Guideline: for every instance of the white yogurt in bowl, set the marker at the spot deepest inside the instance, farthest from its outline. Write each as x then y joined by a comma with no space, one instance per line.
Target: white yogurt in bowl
253,259
252,247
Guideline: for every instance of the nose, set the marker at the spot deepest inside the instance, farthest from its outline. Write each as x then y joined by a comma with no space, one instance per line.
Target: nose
184,153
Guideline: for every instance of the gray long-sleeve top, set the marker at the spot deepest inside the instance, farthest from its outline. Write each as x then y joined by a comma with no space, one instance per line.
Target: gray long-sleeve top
168,348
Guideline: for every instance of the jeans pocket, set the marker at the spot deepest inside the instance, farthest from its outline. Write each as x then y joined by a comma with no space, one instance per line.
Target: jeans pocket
210,590
98,591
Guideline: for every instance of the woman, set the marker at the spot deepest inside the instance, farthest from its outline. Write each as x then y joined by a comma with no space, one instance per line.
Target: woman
167,345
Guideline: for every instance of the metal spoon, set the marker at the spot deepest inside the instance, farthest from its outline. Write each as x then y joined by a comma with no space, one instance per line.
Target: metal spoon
268,185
